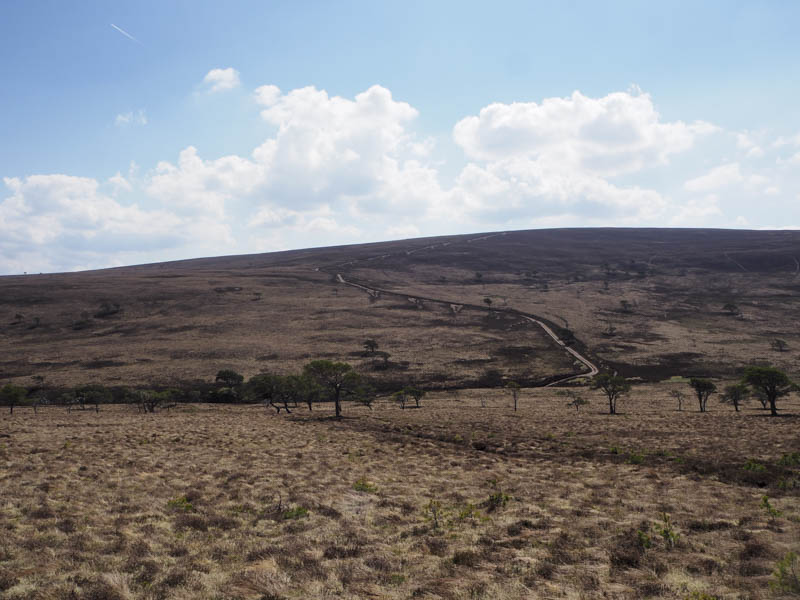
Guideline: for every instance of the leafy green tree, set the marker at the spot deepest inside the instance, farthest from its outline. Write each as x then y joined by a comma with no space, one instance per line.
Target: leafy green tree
267,388
416,393
735,394
613,387
336,379
149,400
769,382
576,399
703,388
278,391
13,395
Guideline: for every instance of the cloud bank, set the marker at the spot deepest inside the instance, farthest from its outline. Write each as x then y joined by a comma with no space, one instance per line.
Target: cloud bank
339,170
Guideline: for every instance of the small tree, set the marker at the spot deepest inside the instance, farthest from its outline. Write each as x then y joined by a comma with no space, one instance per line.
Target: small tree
613,387
735,394
416,393
13,395
703,388
576,399
769,382
365,394
401,398
370,346
514,388
404,395
148,400
338,379
625,305
779,345
678,395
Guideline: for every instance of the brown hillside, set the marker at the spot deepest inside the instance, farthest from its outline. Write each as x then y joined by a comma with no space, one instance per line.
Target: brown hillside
172,322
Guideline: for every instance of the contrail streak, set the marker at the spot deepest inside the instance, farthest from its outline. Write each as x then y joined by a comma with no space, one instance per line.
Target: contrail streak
125,33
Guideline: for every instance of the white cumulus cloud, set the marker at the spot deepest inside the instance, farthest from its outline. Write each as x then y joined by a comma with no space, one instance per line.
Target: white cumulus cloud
618,133
220,80
57,222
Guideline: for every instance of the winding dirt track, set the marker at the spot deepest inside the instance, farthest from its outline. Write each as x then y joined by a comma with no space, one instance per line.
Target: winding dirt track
376,292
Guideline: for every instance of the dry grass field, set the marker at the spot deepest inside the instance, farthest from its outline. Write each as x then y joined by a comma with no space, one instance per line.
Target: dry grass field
462,498
452,500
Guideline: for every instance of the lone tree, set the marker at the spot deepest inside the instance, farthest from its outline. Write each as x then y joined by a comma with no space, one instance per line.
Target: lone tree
338,379
735,394
416,393
13,395
613,387
769,382
370,346
576,399
678,395
514,388
703,388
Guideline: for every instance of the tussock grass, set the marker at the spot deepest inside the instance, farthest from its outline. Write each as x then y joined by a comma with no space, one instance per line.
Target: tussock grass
210,502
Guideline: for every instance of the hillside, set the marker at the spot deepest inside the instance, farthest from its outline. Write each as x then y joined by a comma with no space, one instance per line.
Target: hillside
648,302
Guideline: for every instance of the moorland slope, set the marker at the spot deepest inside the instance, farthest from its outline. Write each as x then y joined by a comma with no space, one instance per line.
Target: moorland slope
451,311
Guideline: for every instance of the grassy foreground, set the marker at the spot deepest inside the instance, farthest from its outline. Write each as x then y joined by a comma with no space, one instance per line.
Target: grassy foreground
453,500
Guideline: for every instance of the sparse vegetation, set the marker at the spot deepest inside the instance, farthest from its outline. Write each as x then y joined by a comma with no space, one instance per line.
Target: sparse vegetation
786,577
394,492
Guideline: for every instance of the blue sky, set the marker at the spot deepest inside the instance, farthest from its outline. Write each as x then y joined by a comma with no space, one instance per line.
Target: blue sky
227,128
